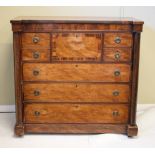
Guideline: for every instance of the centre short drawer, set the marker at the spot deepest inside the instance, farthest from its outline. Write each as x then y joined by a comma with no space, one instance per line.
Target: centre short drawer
76,72
75,113
76,92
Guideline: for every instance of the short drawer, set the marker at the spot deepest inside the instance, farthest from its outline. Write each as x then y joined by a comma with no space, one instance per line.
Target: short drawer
36,55
76,92
75,113
117,40
76,72
33,40
117,54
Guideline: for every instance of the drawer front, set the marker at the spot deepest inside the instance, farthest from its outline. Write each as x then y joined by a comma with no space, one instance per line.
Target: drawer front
76,72
33,40
76,46
117,40
36,55
76,92
117,54
75,113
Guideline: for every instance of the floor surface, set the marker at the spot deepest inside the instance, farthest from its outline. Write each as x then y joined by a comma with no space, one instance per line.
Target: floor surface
145,138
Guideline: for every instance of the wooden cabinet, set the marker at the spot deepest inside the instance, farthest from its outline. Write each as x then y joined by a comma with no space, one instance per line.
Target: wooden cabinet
76,75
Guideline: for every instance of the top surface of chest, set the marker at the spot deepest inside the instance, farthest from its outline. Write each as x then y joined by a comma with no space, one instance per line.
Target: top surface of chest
48,24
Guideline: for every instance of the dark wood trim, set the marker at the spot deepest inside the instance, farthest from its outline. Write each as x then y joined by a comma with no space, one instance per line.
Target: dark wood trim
74,82
17,76
103,103
76,62
132,130
75,20
19,130
19,127
134,87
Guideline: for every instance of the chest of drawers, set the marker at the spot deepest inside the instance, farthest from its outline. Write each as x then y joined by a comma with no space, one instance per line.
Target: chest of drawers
76,75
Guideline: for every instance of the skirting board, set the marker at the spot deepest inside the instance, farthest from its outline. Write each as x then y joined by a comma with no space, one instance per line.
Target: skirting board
7,108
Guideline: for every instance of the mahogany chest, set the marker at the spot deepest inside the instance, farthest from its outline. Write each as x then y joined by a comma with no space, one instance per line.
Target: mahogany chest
76,75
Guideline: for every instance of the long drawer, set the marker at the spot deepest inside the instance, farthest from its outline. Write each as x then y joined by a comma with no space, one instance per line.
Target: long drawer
76,92
75,113
76,72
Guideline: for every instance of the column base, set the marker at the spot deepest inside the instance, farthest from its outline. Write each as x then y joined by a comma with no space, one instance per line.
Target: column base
132,130
19,130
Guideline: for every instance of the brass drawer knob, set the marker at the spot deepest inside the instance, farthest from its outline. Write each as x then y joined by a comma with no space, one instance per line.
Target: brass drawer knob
117,40
35,72
35,39
36,93
116,93
117,73
115,113
36,113
36,55
117,55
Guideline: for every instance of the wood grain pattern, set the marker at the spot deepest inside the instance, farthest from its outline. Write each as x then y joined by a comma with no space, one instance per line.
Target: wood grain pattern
110,54
75,113
132,130
73,83
126,40
134,87
72,19
43,42
76,72
18,78
45,27
76,46
72,92
75,128
36,55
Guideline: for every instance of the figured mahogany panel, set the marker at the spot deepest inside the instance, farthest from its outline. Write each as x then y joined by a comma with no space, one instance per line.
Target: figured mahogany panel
36,40
117,39
76,72
36,54
75,113
76,92
45,27
76,46
117,54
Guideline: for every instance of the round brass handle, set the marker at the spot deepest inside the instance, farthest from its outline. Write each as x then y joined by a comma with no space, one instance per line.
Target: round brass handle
36,39
117,40
116,93
36,113
36,55
115,113
117,73
117,55
35,72
36,93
